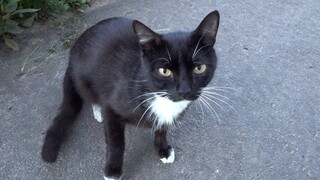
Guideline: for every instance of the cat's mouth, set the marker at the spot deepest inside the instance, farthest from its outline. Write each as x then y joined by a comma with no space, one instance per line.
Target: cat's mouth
190,97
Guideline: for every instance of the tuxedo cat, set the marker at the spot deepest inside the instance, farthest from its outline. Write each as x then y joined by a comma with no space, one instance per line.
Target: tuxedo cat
131,74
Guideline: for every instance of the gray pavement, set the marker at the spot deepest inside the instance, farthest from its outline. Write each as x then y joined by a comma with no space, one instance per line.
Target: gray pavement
268,51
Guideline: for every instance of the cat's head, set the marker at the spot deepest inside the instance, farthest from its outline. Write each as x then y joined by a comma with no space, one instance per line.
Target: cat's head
179,63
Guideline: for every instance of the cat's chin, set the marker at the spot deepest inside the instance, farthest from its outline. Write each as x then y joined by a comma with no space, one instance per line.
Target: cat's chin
167,110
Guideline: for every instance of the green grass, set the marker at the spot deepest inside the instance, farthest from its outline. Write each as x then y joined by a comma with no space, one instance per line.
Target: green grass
15,14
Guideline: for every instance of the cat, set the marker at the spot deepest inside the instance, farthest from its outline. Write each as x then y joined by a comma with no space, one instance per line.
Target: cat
133,75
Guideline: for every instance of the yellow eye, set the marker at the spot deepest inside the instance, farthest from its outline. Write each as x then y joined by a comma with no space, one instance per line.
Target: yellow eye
164,72
200,69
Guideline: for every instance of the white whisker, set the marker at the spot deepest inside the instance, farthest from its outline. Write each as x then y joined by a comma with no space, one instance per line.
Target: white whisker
217,94
220,88
148,99
168,53
140,81
162,58
143,116
153,96
147,94
153,129
195,49
210,108
200,50
221,100
216,103
199,103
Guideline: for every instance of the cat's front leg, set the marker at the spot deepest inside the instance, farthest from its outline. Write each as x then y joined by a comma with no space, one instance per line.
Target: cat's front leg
165,151
115,139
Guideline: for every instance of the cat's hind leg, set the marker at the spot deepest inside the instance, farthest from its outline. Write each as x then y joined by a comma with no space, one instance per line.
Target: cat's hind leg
57,132
165,151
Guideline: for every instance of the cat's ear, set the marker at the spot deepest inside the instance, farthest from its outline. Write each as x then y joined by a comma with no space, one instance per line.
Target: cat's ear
208,28
147,38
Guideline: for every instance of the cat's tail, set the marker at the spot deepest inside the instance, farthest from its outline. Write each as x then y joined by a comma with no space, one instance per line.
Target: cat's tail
57,132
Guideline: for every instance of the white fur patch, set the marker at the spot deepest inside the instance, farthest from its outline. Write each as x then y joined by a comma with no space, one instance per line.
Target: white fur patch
170,159
111,178
166,111
97,112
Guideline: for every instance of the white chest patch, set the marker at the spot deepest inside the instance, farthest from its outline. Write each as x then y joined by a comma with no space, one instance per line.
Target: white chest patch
166,111
97,112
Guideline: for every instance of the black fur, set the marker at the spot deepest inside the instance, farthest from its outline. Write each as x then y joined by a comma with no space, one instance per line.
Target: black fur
114,63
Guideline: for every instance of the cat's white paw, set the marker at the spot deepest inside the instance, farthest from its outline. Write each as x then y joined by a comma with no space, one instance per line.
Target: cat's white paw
111,178
97,112
170,159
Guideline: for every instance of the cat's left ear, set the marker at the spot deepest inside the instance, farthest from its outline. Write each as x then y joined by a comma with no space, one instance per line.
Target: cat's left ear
208,28
146,37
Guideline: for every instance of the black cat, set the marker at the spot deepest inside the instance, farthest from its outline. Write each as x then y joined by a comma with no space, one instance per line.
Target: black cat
131,74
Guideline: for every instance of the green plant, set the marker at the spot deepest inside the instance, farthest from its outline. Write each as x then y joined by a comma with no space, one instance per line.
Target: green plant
47,6
79,5
55,7
10,10
13,14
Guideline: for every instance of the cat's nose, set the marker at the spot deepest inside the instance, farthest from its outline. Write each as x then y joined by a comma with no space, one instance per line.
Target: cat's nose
184,91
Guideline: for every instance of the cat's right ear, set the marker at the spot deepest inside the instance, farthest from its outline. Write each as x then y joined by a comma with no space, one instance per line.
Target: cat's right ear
146,37
208,28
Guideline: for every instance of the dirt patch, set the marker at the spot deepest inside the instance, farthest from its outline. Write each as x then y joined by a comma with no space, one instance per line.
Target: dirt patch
93,4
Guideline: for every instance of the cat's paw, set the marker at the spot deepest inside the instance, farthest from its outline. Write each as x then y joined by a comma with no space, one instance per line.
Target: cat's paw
112,178
97,112
50,147
49,155
169,158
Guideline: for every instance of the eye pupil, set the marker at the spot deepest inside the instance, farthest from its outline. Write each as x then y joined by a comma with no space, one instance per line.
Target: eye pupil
199,69
164,71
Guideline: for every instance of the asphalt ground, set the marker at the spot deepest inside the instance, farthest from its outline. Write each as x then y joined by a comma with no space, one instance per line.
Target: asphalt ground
268,55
